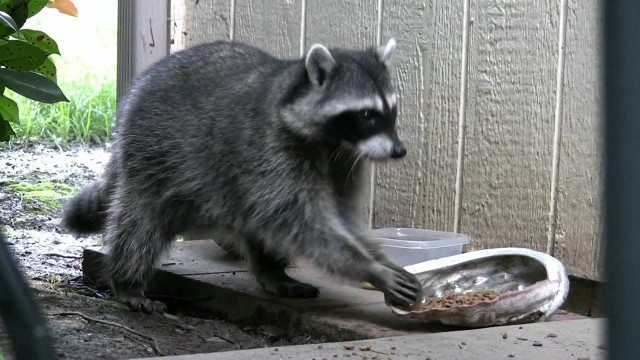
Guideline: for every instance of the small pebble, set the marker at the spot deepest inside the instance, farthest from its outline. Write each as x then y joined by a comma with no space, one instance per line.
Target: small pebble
463,343
365,348
393,348
349,347
537,343
511,355
504,336
552,335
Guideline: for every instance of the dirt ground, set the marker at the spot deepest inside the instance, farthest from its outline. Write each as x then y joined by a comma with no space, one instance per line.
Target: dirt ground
85,321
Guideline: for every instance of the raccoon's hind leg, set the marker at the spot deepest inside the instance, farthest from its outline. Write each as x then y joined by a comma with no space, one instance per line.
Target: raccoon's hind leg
269,272
136,239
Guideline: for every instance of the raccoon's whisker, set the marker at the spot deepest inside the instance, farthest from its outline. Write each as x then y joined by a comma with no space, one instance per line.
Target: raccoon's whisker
353,166
336,154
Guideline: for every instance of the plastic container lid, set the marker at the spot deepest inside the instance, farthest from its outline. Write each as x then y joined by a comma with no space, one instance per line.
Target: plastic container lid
419,238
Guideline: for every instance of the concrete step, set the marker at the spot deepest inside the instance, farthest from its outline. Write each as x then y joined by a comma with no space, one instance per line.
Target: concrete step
558,340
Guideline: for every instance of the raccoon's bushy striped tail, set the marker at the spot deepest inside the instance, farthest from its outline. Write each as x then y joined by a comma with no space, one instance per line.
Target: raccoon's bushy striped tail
86,212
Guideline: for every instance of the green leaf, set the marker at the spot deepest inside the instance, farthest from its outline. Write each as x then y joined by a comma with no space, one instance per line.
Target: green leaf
41,40
21,56
6,132
32,85
9,109
35,6
18,10
48,69
7,22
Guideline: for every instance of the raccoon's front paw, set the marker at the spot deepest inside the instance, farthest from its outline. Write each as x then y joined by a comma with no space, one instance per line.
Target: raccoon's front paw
401,288
134,298
140,304
278,283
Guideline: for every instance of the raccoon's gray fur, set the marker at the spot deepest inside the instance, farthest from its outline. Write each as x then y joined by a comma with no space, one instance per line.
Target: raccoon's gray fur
224,137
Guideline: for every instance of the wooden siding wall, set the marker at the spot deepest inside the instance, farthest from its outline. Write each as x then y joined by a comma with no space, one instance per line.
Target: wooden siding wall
499,104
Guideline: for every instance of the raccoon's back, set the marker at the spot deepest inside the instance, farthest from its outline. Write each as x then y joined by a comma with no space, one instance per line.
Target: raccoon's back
207,81
196,114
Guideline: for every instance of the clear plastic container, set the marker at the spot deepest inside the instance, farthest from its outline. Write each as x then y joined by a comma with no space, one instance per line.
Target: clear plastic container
408,246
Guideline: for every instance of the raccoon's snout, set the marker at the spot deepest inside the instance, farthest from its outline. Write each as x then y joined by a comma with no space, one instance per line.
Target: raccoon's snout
382,147
398,151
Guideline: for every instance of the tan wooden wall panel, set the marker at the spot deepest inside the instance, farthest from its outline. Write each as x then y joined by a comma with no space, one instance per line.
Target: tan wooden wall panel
419,190
197,21
510,120
579,229
273,25
339,23
142,40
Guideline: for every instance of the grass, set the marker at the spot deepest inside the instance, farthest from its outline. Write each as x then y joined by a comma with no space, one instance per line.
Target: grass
86,74
85,119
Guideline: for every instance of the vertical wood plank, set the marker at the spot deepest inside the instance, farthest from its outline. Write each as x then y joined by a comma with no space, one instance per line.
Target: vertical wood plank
420,189
202,21
579,231
272,25
510,123
177,33
143,38
339,23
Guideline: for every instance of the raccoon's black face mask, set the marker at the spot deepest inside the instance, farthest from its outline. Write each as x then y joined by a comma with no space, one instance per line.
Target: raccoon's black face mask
358,102
369,132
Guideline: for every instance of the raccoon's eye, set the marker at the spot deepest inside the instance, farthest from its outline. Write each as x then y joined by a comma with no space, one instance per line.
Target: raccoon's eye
367,116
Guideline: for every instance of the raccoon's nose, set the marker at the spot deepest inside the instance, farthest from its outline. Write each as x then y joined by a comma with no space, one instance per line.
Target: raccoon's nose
398,151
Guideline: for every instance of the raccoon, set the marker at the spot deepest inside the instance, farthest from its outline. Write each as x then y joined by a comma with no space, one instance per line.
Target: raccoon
271,153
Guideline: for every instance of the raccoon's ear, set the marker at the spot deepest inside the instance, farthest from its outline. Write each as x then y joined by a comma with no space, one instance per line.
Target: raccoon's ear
319,64
385,53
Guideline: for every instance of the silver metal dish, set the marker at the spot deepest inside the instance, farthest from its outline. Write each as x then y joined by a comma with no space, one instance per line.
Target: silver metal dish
531,286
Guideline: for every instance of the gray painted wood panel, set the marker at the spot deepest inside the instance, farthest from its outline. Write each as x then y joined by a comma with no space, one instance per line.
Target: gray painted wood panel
579,229
198,21
142,39
419,190
510,123
273,25
341,23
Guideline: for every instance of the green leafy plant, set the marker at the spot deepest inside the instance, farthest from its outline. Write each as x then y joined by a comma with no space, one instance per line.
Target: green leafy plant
25,64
